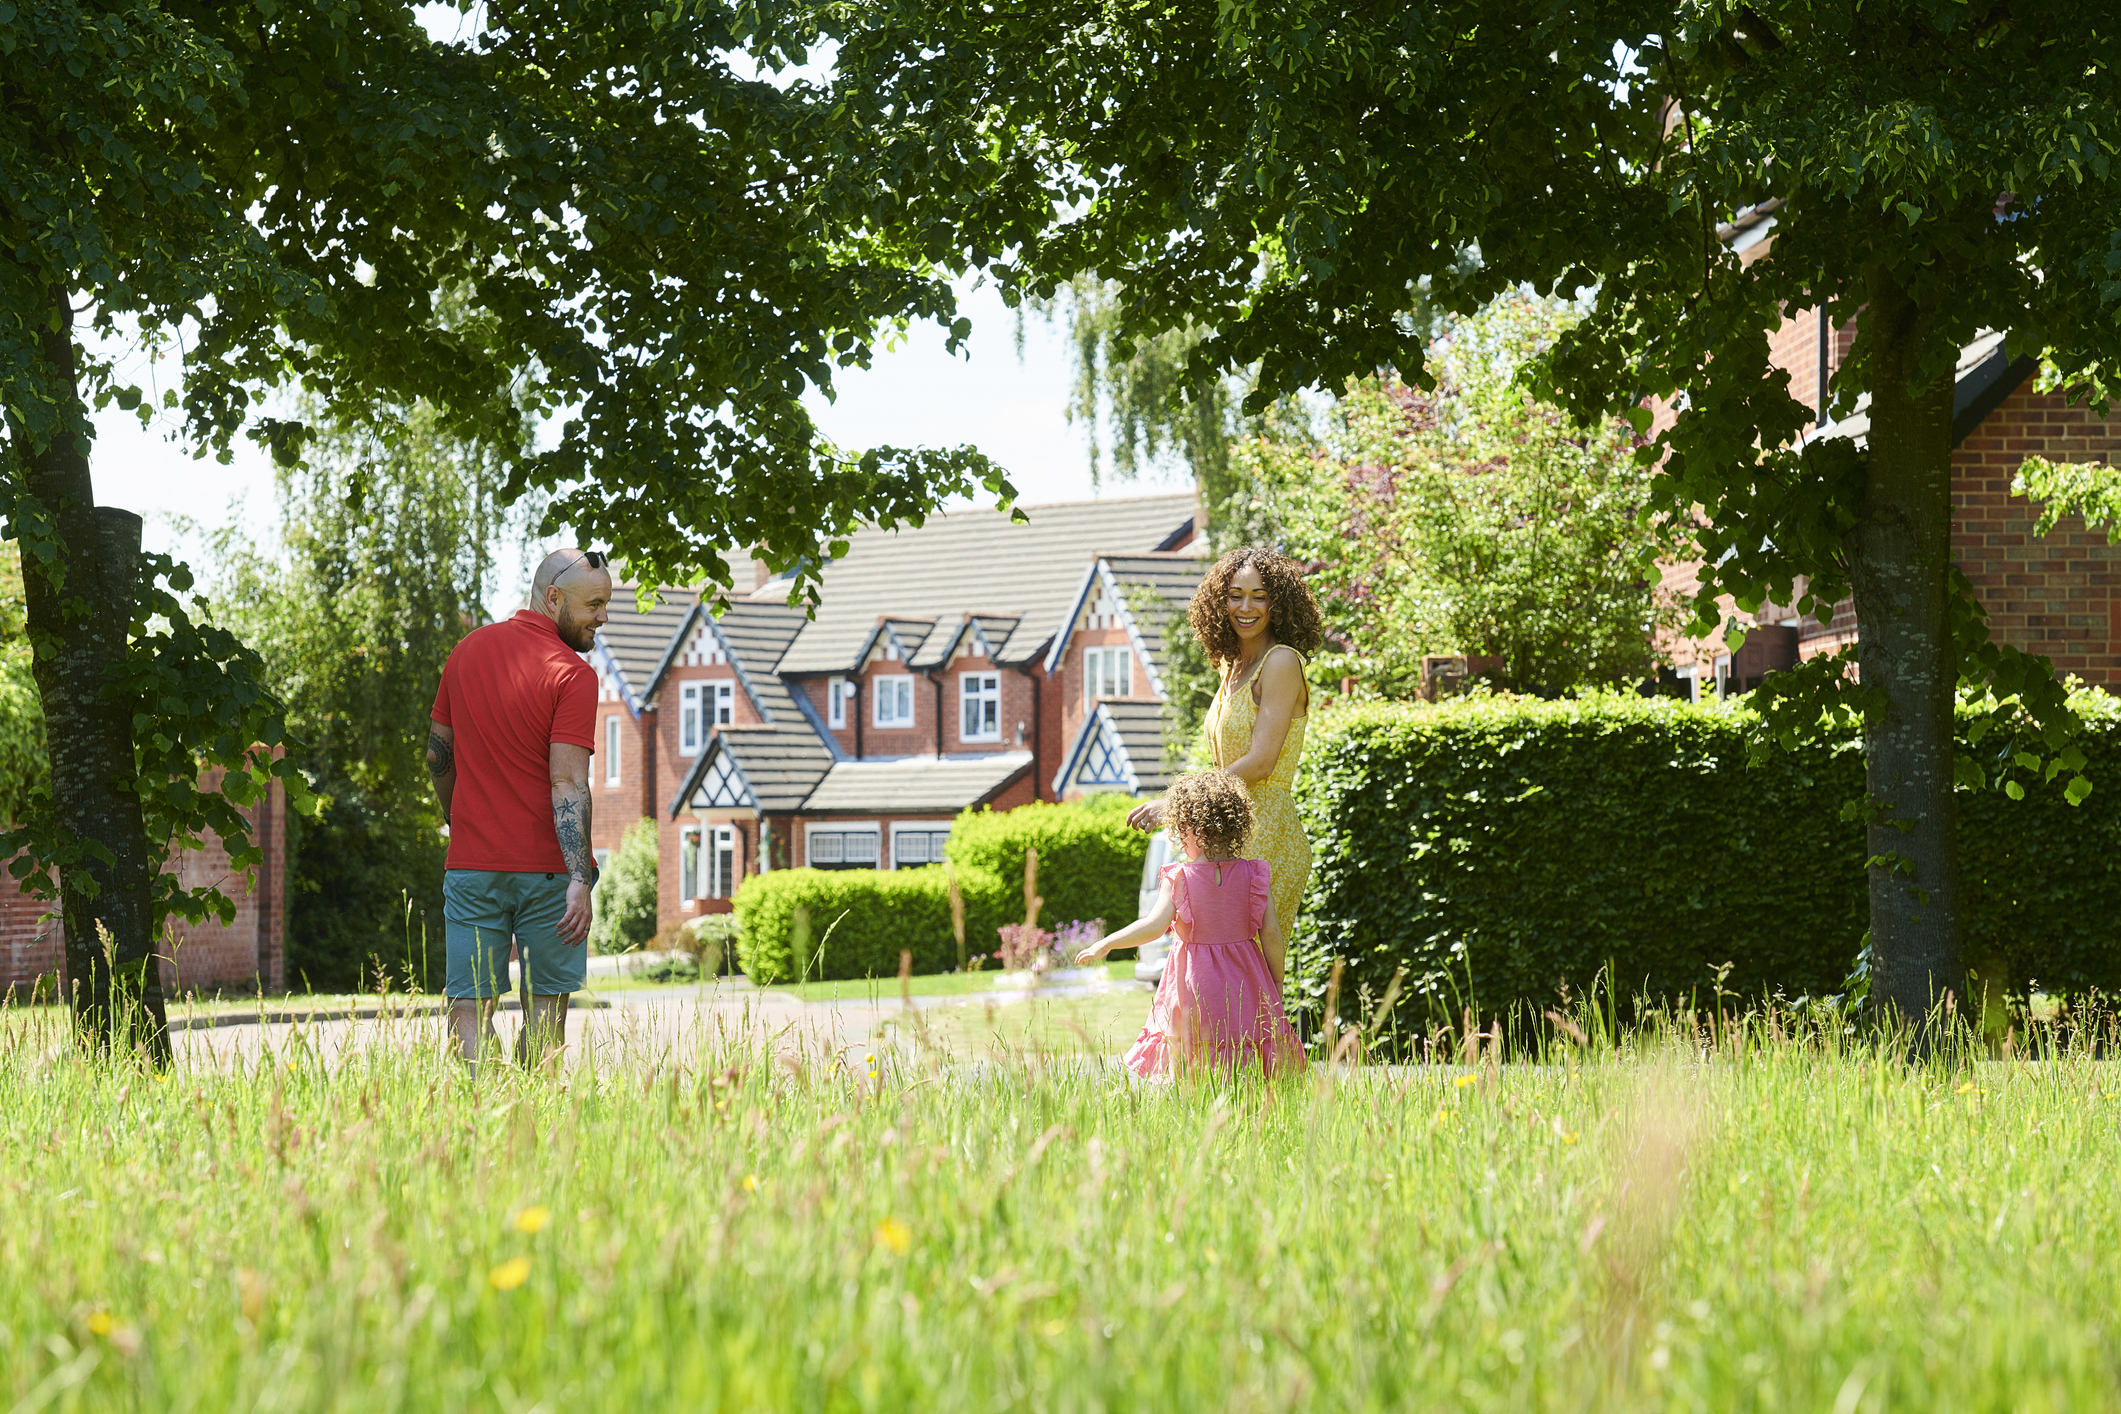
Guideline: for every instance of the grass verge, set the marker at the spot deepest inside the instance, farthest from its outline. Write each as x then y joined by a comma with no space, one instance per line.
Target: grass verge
1670,1224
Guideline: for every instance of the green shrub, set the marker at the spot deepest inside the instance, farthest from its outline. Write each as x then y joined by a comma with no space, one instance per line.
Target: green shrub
1500,849
785,917
715,943
1089,862
626,894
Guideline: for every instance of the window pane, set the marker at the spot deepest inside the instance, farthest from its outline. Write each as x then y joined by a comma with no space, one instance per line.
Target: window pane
860,848
689,866
824,849
912,847
1123,679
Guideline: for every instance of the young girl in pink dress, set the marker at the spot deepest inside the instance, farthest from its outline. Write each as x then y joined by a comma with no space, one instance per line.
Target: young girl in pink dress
1218,1004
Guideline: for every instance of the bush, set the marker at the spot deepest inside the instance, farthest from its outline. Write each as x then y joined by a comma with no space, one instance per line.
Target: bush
714,943
1089,862
785,917
626,894
1500,849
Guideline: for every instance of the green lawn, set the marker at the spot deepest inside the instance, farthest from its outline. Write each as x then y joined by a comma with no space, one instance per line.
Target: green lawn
1669,1226
937,984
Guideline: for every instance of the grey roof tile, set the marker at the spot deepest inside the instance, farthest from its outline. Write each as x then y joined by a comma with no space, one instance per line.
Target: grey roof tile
636,641
1140,726
915,783
782,764
976,562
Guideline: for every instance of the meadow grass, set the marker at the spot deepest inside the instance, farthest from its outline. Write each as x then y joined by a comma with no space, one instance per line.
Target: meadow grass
1674,1221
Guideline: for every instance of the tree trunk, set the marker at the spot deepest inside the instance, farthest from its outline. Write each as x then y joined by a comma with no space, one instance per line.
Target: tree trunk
1900,570
87,617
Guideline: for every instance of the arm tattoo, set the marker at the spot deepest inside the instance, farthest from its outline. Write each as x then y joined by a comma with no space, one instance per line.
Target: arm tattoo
441,755
570,821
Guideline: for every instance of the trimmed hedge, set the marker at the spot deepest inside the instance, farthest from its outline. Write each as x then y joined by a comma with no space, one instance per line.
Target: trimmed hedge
1509,847
1089,862
886,911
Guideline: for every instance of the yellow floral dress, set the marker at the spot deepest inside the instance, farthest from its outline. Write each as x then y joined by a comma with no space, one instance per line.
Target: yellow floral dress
1277,834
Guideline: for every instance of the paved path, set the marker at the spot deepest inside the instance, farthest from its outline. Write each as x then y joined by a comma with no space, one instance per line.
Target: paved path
656,1027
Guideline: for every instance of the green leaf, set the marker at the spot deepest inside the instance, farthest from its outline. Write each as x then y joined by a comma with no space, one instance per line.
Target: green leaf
1912,212
2078,788
2014,790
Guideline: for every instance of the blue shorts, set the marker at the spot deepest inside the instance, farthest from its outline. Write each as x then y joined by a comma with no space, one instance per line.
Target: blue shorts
483,910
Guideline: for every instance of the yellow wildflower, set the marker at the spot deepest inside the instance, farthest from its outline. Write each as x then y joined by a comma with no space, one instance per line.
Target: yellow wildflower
751,1183
100,1323
895,1235
510,1274
533,1219
1464,1080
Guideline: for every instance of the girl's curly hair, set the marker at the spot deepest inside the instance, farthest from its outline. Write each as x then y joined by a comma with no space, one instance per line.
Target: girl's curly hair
1292,614
1212,806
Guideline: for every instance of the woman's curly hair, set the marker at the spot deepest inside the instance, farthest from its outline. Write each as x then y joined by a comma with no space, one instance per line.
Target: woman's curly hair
1212,806
1292,614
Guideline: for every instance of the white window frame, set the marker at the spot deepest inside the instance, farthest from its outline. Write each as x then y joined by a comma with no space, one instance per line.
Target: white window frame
1107,665
721,880
611,749
692,719
871,828
979,696
688,866
886,689
603,859
936,831
837,691
1690,674
722,704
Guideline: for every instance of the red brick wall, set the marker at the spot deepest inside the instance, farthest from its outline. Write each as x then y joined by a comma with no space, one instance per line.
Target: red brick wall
247,952
1069,687
2058,594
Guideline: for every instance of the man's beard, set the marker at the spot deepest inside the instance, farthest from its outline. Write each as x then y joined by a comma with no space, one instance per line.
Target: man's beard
577,634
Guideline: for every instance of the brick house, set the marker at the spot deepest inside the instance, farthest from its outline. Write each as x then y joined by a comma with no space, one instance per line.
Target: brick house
928,682
2057,594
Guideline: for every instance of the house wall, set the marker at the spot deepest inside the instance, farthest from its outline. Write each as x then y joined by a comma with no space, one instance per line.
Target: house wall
796,828
2056,595
248,952
1073,673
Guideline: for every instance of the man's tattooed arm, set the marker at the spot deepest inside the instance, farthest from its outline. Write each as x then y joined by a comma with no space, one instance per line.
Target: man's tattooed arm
442,764
570,809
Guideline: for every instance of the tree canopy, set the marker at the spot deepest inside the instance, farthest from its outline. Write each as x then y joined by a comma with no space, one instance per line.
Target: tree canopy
1287,176
662,247
1471,519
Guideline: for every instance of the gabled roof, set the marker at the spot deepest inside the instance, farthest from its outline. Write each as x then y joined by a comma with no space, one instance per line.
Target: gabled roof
1169,579
1120,747
634,645
770,768
915,783
1986,374
752,635
990,631
976,562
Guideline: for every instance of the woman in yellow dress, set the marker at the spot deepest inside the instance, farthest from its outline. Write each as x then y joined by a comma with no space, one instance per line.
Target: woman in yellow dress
1256,619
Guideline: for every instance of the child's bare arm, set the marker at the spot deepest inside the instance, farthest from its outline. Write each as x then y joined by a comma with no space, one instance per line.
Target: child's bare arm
1148,928
1272,943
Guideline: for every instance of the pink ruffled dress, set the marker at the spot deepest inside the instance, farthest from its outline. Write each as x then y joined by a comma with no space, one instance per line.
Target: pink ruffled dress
1217,1004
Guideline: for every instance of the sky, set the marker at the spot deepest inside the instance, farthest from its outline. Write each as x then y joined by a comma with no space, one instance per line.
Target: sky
1013,409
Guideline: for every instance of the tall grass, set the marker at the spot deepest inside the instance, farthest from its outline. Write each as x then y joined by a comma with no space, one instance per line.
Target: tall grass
1684,1219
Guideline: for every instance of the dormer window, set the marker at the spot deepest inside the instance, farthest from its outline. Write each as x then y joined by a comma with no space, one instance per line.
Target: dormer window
1107,672
891,700
981,697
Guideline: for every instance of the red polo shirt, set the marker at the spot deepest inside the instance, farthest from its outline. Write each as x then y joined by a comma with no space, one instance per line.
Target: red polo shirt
509,691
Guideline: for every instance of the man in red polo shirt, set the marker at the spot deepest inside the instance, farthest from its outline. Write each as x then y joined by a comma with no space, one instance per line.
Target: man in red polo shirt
509,752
